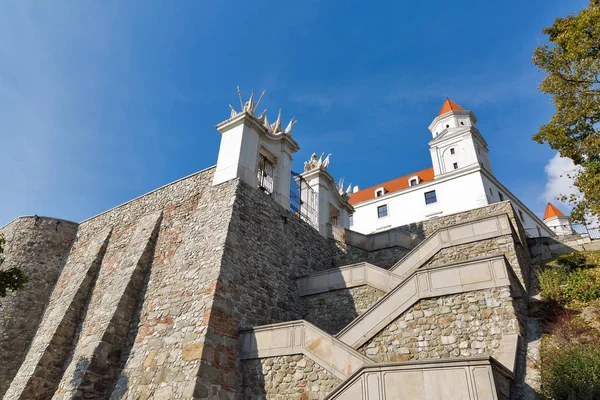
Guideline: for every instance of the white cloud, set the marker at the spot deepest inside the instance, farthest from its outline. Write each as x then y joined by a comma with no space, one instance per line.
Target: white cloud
557,170
559,183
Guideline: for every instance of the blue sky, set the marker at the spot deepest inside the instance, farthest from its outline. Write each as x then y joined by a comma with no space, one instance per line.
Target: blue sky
101,102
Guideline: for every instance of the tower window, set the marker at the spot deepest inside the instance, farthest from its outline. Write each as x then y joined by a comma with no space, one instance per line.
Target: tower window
501,196
447,126
382,211
455,165
491,193
462,122
265,174
413,182
452,150
521,216
351,219
430,197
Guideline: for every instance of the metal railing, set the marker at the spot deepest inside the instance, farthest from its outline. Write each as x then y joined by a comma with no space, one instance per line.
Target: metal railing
303,200
593,233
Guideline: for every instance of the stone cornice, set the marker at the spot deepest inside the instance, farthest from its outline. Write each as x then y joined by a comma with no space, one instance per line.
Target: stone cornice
248,119
466,113
320,172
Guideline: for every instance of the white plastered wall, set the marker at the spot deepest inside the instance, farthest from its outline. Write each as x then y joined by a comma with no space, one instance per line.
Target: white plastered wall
532,225
407,206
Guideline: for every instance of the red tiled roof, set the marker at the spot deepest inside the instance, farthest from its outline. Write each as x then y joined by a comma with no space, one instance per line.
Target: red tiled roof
394,185
552,211
448,106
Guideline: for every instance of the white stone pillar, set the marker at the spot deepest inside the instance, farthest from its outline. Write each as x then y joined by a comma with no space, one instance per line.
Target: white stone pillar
238,152
317,180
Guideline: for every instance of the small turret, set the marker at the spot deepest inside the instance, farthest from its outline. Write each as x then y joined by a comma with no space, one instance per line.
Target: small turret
557,221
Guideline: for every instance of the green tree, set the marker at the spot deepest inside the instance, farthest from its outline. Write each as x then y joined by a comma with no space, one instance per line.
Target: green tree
12,278
571,63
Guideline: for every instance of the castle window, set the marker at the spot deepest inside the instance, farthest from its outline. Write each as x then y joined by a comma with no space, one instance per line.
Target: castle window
351,219
430,197
462,122
413,182
521,216
455,165
452,150
382,211
501,196
491,193
379,192
264,174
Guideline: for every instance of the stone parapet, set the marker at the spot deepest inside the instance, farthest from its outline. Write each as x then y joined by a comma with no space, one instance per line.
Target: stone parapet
473,231
426,283
483,322
476,378
347,277
301,337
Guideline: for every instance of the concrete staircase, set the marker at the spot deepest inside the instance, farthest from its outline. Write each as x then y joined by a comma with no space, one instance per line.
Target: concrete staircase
406,283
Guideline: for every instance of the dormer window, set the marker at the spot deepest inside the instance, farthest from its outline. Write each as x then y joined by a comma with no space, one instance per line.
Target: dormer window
379,192
414,180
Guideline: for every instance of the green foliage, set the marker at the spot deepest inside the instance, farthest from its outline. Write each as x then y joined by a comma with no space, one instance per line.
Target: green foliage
572,374
568,280
581,286
572,261
551,280
571,361
12,278
571,64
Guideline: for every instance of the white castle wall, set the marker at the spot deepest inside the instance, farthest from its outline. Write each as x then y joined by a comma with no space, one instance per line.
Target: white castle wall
456,194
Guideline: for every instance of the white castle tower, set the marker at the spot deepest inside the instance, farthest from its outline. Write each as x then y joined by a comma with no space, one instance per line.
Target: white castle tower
456,143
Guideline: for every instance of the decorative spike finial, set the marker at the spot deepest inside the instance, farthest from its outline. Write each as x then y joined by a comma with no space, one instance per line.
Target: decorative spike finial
288,129
259,100
240,96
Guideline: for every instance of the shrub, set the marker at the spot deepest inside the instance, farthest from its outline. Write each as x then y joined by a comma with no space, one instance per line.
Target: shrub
572,261
567,329
581,286
551,280
572,373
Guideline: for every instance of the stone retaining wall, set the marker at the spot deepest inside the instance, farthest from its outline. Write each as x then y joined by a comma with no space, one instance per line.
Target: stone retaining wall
39,246
345,254
501,245
333,310
542,249
294,377
461,325
267,247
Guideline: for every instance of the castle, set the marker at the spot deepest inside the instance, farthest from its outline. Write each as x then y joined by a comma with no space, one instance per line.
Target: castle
245,281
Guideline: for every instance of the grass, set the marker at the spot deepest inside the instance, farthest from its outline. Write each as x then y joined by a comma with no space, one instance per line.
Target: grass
570,351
